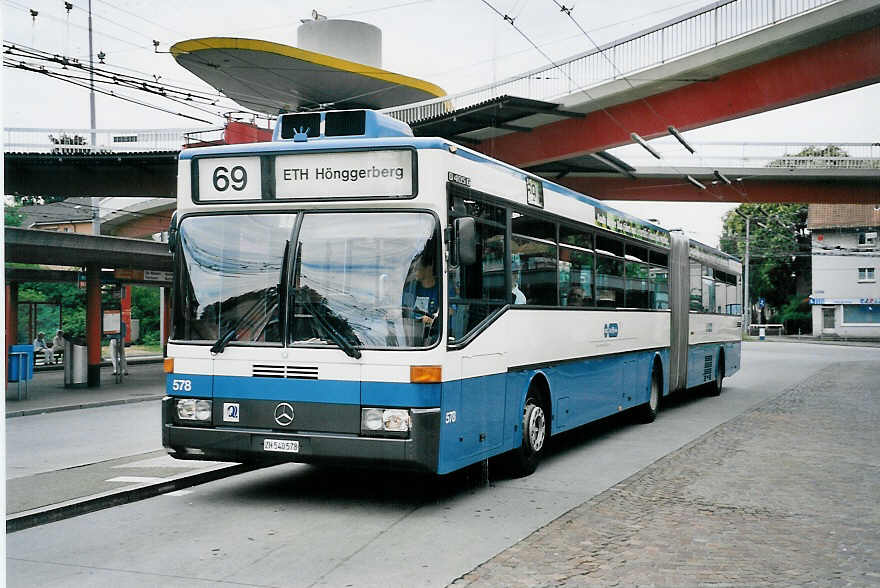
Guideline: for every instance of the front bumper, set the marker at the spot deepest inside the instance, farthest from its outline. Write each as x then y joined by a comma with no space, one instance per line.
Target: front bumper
245,445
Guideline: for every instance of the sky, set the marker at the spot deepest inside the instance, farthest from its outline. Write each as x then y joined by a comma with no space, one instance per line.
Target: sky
456,44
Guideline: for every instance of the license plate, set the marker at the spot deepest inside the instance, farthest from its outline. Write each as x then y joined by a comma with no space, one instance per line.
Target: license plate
281,445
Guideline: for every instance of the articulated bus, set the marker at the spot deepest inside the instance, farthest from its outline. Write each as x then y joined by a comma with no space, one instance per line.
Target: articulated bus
351,293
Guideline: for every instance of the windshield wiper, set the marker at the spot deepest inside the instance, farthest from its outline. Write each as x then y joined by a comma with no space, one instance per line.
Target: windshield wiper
246,319
338,338
223,341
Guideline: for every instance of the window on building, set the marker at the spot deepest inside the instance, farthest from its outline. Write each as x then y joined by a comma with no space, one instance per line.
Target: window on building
861,313
866,274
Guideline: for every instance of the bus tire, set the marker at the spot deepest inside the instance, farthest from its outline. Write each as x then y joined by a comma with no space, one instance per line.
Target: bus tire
524,460
715,387
647,412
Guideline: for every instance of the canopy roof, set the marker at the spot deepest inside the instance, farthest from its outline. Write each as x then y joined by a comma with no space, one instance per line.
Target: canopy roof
271,78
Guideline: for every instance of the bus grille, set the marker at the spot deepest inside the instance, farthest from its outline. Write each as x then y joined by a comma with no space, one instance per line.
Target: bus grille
707,369
298,372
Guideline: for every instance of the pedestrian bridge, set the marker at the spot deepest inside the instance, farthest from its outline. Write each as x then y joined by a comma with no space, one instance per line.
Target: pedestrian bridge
716,63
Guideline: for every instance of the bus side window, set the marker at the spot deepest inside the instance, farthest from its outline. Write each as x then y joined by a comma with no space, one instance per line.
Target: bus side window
477,290
696,296
534,260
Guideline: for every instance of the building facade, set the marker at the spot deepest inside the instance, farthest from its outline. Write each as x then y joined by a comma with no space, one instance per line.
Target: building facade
846,263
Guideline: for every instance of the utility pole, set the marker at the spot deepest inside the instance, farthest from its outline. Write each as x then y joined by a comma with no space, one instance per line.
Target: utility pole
747,318
747,307
91,77
96,220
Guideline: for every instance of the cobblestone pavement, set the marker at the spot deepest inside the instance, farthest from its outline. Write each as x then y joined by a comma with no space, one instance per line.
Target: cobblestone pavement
787,494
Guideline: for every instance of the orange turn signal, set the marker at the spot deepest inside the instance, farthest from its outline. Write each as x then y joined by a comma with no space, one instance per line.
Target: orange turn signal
425,374
169,365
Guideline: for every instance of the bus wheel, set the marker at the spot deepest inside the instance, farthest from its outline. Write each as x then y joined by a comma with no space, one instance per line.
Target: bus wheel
715,387
647,412
524,460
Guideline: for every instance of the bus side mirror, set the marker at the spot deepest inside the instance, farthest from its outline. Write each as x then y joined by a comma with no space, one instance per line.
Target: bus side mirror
172,233
466,240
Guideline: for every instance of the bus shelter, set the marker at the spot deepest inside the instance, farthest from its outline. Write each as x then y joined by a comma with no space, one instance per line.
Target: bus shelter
89,256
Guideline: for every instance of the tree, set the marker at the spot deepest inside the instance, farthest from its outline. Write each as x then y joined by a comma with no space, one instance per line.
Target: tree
11,213
779,250
145,307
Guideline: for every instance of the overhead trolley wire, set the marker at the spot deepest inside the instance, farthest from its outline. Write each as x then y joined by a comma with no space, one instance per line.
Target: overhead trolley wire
567,10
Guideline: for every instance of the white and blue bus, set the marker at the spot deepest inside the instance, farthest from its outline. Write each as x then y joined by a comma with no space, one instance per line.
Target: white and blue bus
351,293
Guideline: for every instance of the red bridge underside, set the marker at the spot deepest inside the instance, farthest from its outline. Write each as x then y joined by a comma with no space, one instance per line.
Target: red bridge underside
835,66
747,190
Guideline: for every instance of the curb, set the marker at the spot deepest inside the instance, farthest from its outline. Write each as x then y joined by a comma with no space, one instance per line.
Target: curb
109,499
33,411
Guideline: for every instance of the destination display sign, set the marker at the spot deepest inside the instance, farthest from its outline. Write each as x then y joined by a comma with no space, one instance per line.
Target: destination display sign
340,175
229,178
356,174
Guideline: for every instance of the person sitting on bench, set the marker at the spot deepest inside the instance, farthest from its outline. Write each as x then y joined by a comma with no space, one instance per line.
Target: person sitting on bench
40,346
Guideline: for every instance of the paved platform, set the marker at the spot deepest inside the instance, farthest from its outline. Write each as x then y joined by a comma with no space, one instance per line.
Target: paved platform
783,495
46,391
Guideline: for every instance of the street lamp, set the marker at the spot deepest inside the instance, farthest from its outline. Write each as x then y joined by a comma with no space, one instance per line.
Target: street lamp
747,306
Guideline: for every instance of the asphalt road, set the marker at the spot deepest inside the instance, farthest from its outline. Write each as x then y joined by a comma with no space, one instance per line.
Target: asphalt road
298,525
59,440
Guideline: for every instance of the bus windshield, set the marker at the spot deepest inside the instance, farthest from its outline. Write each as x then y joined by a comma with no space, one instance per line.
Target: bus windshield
357,280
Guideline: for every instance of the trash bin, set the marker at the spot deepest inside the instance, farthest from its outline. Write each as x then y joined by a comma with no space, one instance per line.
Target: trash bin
20,367
76,362
762,332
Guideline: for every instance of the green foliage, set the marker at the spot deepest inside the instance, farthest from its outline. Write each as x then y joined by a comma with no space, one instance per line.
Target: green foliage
145,307
11,213
779,250
71,299
796,315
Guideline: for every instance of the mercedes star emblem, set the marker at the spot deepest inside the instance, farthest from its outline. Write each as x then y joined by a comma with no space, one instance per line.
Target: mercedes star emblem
283,414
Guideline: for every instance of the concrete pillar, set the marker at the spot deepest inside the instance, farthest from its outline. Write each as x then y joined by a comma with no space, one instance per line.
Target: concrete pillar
125,310
93,324
11,314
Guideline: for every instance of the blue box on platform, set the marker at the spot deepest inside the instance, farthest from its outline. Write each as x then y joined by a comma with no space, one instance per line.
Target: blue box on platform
20,367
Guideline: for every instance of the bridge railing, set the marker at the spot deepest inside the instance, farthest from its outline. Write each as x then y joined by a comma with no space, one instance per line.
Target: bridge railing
88,141
696,31
724,154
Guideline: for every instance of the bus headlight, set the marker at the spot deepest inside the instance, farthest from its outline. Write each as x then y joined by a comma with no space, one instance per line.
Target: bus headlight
190,409
371,419
396,420
203,410
378,421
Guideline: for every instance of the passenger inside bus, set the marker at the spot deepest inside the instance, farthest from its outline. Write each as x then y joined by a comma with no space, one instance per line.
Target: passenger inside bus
421,293
518,296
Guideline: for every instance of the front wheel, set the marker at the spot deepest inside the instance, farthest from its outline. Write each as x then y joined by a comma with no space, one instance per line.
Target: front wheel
523,461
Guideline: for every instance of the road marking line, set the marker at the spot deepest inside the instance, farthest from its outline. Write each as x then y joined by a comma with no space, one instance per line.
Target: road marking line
135,480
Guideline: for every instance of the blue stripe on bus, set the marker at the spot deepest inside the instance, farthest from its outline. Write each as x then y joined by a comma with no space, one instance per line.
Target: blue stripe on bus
188,385
400,394
696,366
332,391
482,416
